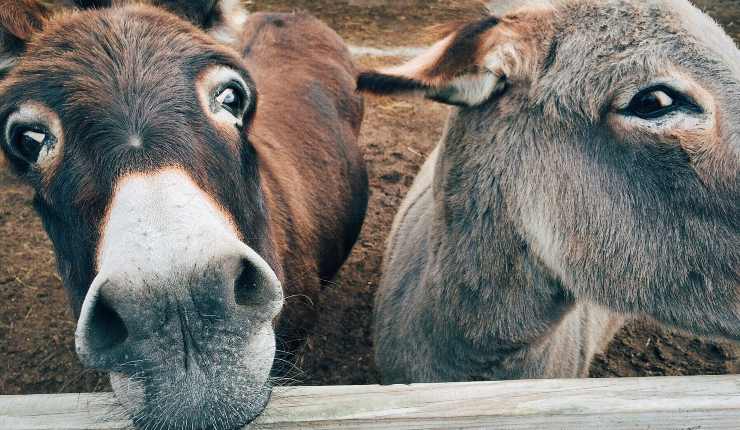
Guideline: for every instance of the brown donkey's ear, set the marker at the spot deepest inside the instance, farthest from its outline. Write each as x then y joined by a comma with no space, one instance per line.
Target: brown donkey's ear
19,20
86,4
466,68
202,13
223,19
199,12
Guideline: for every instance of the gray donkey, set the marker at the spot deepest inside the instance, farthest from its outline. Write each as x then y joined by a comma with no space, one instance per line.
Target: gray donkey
589,173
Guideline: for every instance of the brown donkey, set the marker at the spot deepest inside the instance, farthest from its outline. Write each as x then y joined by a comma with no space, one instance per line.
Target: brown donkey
590,171
192,166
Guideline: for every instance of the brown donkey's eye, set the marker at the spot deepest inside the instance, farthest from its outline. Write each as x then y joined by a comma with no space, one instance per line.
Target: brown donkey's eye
232,98
29,142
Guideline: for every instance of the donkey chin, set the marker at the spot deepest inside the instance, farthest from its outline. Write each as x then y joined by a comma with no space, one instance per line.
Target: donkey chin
181,310
189,391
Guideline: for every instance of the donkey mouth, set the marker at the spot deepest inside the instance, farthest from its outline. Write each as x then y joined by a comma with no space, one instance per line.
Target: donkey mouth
198,374
205,395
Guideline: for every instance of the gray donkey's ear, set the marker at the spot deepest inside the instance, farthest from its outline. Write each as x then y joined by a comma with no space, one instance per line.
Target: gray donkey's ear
19,20
471,64
451,71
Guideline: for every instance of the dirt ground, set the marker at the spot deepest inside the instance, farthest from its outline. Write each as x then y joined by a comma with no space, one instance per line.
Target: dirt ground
36,324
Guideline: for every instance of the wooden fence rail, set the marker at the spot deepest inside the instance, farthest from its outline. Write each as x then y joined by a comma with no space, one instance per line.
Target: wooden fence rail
703,402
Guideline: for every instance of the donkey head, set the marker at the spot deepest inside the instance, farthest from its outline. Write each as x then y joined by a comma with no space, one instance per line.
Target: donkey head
609,133
132,124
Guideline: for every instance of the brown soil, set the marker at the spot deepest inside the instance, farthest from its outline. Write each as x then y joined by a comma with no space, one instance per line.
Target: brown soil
36,325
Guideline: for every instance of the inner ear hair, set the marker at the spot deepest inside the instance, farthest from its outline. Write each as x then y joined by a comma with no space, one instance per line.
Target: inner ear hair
465,49
22,18
474,62
19,20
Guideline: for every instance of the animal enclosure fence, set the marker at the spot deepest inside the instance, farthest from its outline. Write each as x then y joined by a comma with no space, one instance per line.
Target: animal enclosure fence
701,402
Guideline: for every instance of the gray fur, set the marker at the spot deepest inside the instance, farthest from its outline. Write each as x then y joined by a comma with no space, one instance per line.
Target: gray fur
534,228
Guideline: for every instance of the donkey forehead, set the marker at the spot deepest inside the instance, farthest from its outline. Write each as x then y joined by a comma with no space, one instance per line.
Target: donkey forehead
616,29
120,52
125,85
599,47
704,31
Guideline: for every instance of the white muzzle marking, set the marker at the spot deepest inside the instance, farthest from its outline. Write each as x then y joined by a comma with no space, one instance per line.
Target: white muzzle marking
160,224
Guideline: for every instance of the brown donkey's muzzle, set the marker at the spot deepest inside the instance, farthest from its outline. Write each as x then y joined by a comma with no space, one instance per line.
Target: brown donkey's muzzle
181,307
124,311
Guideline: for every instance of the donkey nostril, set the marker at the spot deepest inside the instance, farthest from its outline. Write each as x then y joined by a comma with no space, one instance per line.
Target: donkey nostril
247,285
257,285
107,328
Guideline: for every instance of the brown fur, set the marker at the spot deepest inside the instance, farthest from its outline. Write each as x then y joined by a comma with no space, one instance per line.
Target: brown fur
19,19
288,175
289,132
22,18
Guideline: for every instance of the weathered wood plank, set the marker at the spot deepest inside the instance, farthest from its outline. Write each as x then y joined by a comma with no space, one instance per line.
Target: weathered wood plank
704,402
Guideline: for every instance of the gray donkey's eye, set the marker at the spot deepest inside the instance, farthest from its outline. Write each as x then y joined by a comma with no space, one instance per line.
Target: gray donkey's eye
659,101
651,103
